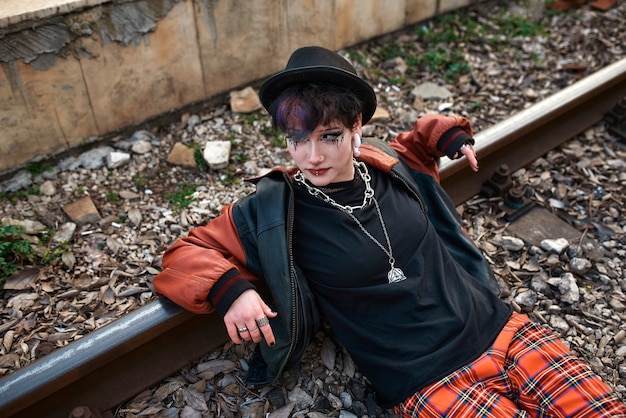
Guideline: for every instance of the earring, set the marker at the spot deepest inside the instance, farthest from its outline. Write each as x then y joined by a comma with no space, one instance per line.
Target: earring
357,144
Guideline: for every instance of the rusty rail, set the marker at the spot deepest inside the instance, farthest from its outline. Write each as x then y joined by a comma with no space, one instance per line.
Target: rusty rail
114,363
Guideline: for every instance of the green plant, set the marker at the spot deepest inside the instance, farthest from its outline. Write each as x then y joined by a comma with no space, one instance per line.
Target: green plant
451,28
538,59
198,157
450,62
229,179
250,118
113,197
183,197
392,51
14,250
52,254
455,69
449,25
356,57
37,168
45,236
139,180
518,26
275,135
232,138
20,194
447,33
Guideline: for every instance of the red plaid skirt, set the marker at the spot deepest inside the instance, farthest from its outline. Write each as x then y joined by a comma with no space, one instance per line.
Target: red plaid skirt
528,372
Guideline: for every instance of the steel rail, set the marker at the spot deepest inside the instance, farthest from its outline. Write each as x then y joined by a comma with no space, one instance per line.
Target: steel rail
114,363
111,364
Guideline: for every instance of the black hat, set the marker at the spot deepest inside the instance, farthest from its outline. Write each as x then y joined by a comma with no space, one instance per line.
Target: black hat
316,64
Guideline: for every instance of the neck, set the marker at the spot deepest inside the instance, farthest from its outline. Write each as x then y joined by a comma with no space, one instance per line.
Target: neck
321,192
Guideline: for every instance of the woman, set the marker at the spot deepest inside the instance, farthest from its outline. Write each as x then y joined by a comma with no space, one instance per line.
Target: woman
364,236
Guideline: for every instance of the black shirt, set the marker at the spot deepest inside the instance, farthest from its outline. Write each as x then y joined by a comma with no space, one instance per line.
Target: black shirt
405,335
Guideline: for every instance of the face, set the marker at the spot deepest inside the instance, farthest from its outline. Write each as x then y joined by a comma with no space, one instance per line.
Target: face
325,156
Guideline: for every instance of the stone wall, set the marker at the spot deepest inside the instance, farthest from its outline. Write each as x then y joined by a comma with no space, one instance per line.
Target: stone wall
75,71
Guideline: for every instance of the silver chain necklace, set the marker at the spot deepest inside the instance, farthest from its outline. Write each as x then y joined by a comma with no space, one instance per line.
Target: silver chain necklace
395,274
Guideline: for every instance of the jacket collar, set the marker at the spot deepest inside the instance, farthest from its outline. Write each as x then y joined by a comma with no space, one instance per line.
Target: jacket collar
377,158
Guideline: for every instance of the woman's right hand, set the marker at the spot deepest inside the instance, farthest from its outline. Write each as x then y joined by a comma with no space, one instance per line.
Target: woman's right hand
246,319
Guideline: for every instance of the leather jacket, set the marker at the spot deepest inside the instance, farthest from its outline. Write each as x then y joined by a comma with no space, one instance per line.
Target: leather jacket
251,242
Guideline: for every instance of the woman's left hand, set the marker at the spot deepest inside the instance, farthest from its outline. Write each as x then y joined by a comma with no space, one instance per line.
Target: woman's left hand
470,153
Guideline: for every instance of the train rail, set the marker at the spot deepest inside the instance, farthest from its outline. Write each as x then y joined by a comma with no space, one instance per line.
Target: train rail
114,363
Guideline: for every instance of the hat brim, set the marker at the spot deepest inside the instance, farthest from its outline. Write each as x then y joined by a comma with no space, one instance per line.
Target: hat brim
277,83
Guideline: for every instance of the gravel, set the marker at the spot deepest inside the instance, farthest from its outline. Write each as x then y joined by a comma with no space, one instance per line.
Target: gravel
490,60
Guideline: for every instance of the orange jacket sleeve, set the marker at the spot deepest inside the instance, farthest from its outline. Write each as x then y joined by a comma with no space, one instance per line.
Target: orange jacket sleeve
194,264
432,137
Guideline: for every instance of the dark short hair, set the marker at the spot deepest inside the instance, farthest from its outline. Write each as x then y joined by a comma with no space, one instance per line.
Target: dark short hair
313,104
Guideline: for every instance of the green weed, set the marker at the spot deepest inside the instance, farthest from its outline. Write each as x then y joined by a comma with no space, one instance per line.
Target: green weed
37,168
183,197
20,194
514,26
198,157
446,34
52,254
113,197
140,180
447,61
392,51
357,57
14,250
230,178
250,118
275,135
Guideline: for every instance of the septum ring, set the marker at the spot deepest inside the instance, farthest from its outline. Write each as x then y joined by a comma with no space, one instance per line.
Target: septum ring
262,322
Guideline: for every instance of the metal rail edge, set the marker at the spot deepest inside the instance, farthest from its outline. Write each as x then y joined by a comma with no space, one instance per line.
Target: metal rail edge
114,363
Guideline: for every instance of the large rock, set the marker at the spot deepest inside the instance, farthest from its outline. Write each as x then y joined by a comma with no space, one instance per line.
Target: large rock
216,154
182,155
82,211
244,101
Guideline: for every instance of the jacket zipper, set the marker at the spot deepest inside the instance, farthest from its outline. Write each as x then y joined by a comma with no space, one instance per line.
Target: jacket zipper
292,274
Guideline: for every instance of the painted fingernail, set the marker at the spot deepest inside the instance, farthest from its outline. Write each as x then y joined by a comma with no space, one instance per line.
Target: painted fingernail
272,344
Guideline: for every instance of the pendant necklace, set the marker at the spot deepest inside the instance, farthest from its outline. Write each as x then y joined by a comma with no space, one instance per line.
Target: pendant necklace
395,274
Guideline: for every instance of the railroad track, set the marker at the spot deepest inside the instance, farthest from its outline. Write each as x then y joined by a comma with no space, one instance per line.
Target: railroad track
114,363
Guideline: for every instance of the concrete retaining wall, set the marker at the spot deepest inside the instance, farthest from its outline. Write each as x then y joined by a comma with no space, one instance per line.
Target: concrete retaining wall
73,71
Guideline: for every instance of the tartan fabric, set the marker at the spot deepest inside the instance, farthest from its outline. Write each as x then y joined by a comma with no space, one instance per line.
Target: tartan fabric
528,372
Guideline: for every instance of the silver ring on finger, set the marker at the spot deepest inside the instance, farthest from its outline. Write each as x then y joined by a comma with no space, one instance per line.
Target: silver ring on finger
242,329
262,322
